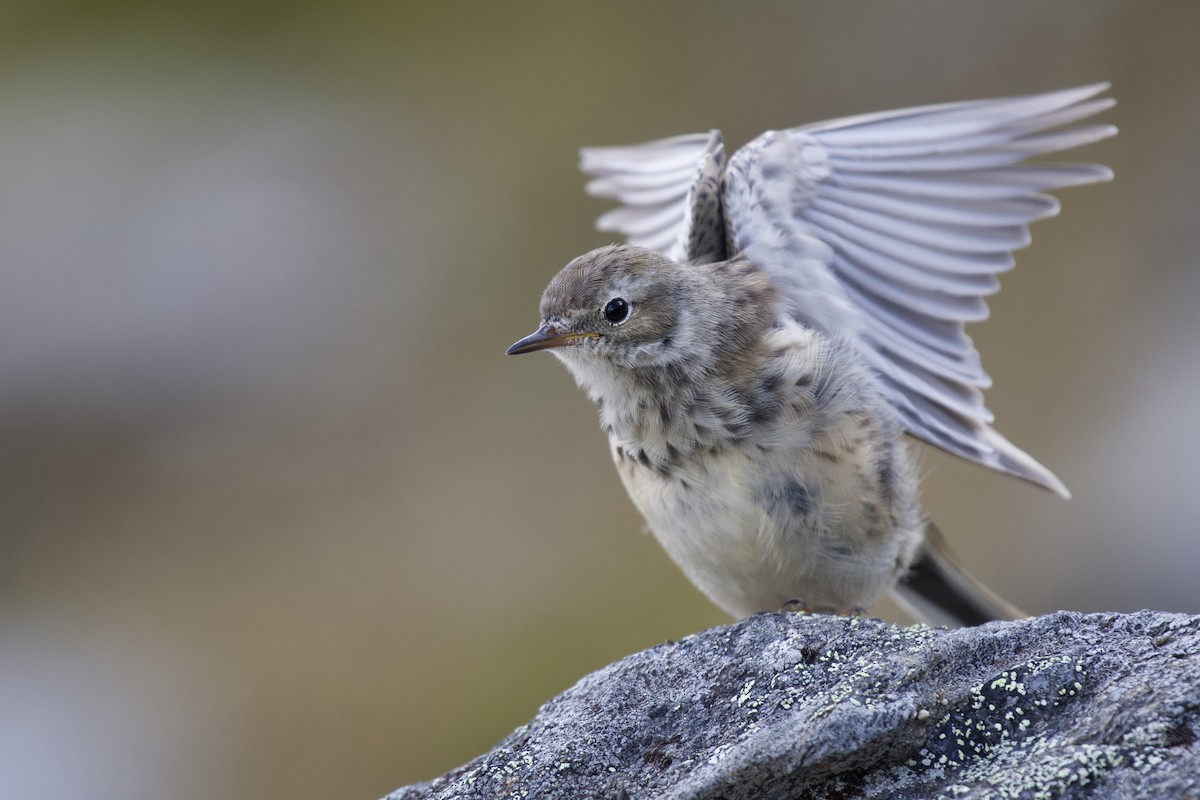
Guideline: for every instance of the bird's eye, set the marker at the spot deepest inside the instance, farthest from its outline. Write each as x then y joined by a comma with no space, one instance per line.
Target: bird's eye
617,310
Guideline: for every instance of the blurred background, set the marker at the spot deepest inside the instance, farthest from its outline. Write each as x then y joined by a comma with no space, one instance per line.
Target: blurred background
278,517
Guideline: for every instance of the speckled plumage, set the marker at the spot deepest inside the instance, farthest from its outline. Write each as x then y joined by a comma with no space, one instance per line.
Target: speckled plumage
778,322
757,450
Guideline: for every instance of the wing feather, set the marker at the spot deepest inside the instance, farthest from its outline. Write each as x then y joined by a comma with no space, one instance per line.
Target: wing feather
975,186
641,221
940,211
655,184
955,120
999,238
888,266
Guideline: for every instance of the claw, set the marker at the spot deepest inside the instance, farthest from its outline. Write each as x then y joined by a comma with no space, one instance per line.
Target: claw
797,605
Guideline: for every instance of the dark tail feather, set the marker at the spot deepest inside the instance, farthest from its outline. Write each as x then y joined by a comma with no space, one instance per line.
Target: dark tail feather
939,589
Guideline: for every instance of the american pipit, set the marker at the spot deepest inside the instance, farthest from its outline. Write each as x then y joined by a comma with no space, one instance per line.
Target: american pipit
779,320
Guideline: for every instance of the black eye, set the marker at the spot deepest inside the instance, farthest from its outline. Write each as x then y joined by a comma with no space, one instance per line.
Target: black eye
617,310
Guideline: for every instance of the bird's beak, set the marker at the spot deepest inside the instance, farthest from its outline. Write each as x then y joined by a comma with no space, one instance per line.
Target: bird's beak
546,337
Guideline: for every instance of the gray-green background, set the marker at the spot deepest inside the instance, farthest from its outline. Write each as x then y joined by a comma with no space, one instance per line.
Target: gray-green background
278,518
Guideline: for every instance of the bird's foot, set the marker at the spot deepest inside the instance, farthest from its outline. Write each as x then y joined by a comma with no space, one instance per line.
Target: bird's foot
801,606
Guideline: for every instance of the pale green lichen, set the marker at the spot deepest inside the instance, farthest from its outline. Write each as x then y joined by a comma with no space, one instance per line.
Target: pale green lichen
997,745
1010,701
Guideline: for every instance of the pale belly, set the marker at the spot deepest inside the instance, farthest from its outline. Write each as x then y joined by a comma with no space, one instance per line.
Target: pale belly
756,531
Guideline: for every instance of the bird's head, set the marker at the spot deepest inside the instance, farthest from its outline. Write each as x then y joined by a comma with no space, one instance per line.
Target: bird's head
626,305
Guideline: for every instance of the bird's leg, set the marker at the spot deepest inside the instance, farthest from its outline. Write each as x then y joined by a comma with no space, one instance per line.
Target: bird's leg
800,606
797,605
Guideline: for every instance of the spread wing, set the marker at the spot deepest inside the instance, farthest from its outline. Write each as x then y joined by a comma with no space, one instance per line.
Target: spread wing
670,193
886,228
913,213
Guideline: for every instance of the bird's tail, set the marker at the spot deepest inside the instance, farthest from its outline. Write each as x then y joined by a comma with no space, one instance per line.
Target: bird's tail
939,590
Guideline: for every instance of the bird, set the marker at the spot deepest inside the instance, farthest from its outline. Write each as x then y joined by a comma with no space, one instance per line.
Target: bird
777,325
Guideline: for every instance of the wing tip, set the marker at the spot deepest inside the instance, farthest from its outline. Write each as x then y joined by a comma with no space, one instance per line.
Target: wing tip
1096,88
1017,462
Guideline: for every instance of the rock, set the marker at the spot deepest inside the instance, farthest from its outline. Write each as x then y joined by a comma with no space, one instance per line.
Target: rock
798,706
